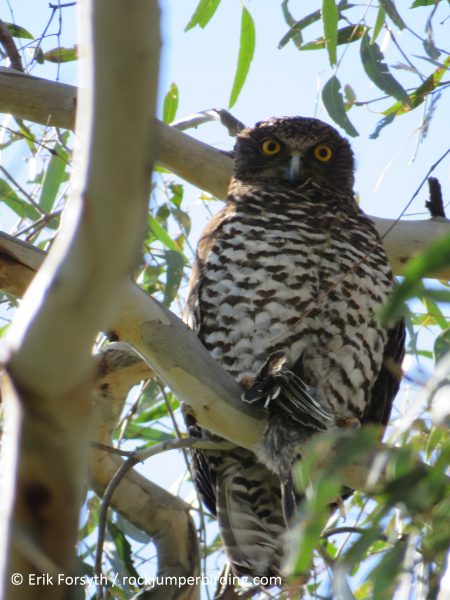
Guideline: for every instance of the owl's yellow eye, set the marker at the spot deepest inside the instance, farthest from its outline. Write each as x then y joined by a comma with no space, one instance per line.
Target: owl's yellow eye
270,147
323,152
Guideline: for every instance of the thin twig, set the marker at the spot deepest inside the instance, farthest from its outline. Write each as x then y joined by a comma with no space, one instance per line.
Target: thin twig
112,449
59,6
136,457
348,529
232,124
24,192
413,197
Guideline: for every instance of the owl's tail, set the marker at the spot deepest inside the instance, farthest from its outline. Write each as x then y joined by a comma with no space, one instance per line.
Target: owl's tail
250,516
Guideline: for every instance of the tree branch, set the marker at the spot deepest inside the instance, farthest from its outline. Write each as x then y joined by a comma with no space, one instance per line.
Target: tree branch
53,103
161,515
48,365
166,344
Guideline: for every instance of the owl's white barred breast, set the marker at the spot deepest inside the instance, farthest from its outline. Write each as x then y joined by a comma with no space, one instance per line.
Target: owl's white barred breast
301,280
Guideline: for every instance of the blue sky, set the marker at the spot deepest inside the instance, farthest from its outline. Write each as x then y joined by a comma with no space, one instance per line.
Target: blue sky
280,82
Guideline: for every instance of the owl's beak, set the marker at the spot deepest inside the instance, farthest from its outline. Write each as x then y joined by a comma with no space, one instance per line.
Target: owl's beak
294,170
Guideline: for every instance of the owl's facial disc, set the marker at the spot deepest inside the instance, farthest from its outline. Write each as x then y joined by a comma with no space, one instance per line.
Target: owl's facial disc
294,170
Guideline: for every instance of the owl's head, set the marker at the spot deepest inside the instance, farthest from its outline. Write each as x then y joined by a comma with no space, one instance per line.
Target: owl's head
292,150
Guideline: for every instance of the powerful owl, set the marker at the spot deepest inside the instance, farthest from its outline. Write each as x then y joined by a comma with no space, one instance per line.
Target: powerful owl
284,294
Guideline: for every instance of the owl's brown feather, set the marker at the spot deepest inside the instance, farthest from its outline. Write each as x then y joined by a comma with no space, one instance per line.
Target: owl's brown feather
290,267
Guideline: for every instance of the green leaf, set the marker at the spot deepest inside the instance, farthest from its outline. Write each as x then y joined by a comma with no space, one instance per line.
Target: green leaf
334,103
38,56
297,27
385,573
392,12
22,208
380,20
203,14
435,313
330,17
55,175
418,3
441,345
346,35
157,412
174,275
296,36
304,538
350,96
19,32
61,55
161,234
427,262
123,548
418,96
170,105
246,50
177,194
378,71
145,433
313,17
28,135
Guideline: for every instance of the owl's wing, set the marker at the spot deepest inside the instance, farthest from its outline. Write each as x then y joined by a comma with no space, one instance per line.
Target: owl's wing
192,311
388,380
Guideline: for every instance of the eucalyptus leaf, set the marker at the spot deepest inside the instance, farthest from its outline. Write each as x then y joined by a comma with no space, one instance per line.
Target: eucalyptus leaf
170,105
19,32
330,17
392,12
245,57
123,548
346,35
418,3
61,55
418,96
377,70
21,207
296,36
441,345
297,27
174,275
162,235
379,23
334,103
54,176
203,14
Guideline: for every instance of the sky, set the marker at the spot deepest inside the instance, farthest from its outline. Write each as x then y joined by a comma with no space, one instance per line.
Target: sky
280,82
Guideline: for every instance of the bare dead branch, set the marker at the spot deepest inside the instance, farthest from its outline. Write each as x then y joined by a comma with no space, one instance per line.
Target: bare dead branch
435,204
